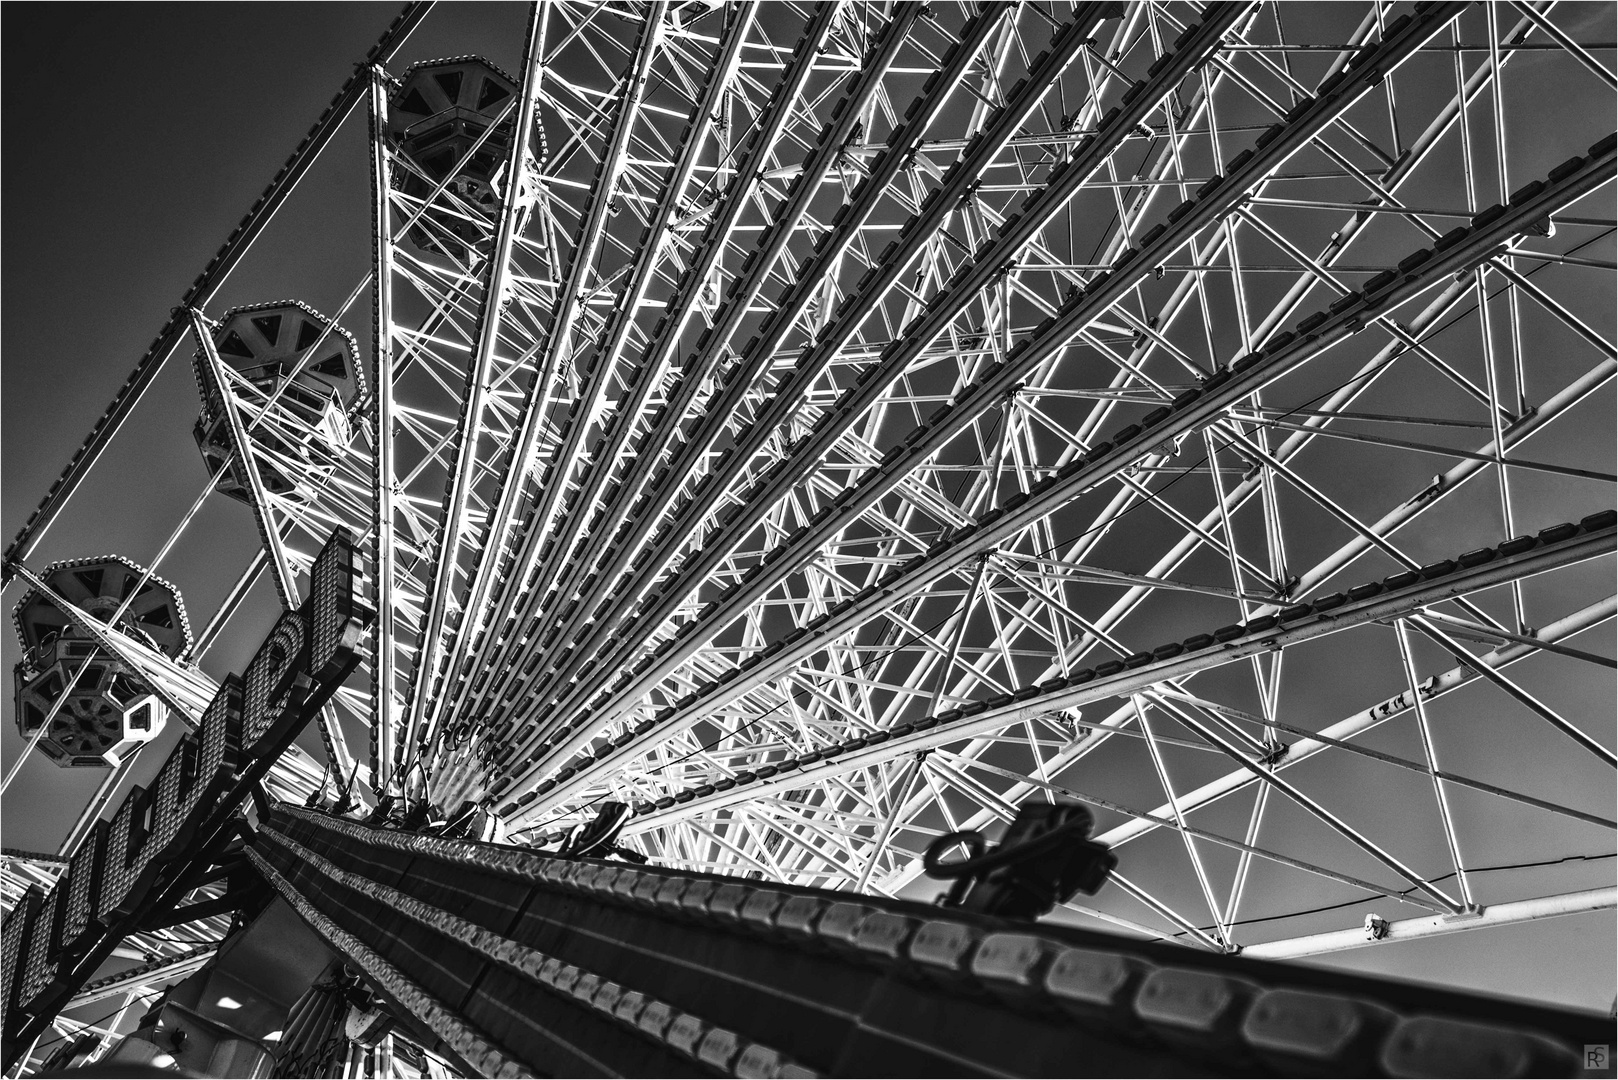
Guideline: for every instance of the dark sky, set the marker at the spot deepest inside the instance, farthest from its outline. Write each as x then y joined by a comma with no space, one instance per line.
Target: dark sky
135,137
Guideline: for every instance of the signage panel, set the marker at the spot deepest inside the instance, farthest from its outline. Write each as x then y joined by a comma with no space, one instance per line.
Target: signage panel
84,887
19,926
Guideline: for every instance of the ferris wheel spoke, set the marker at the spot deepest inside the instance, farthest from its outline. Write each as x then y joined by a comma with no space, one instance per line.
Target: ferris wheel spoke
1276,148
460,537
223,384
990,141
1310,744
1314,575
640,271
784,220
782,322
1380,713
385,419
1145,675
822,428
760,143
1178,809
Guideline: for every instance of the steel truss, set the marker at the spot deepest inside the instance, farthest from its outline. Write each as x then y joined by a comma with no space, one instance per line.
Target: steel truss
823,388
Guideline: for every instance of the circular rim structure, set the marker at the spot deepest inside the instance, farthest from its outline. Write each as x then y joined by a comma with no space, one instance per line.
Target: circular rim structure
843,424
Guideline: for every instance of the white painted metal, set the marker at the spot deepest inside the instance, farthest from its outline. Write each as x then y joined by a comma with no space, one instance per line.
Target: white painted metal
654,554
1397,930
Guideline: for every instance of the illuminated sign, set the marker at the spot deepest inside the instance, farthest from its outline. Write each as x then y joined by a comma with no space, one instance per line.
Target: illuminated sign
131,866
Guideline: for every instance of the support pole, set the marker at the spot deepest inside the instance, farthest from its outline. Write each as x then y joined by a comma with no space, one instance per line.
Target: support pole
383,742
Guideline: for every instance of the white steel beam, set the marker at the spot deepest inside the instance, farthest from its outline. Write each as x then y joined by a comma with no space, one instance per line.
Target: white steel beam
1096,469
481,640
386,742
1055,334
1394,931
941,310
784,219
491,315
1140,678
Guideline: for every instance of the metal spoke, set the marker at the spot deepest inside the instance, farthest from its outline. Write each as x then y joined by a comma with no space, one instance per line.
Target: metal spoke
823,427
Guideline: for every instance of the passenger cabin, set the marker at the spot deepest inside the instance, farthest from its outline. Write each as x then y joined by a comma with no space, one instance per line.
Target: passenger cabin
435,119
110,708
289,353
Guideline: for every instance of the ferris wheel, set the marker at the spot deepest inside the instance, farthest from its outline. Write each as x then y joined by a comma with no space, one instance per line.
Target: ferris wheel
803,431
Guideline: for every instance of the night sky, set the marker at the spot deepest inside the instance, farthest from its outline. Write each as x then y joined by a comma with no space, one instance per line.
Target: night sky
135,138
